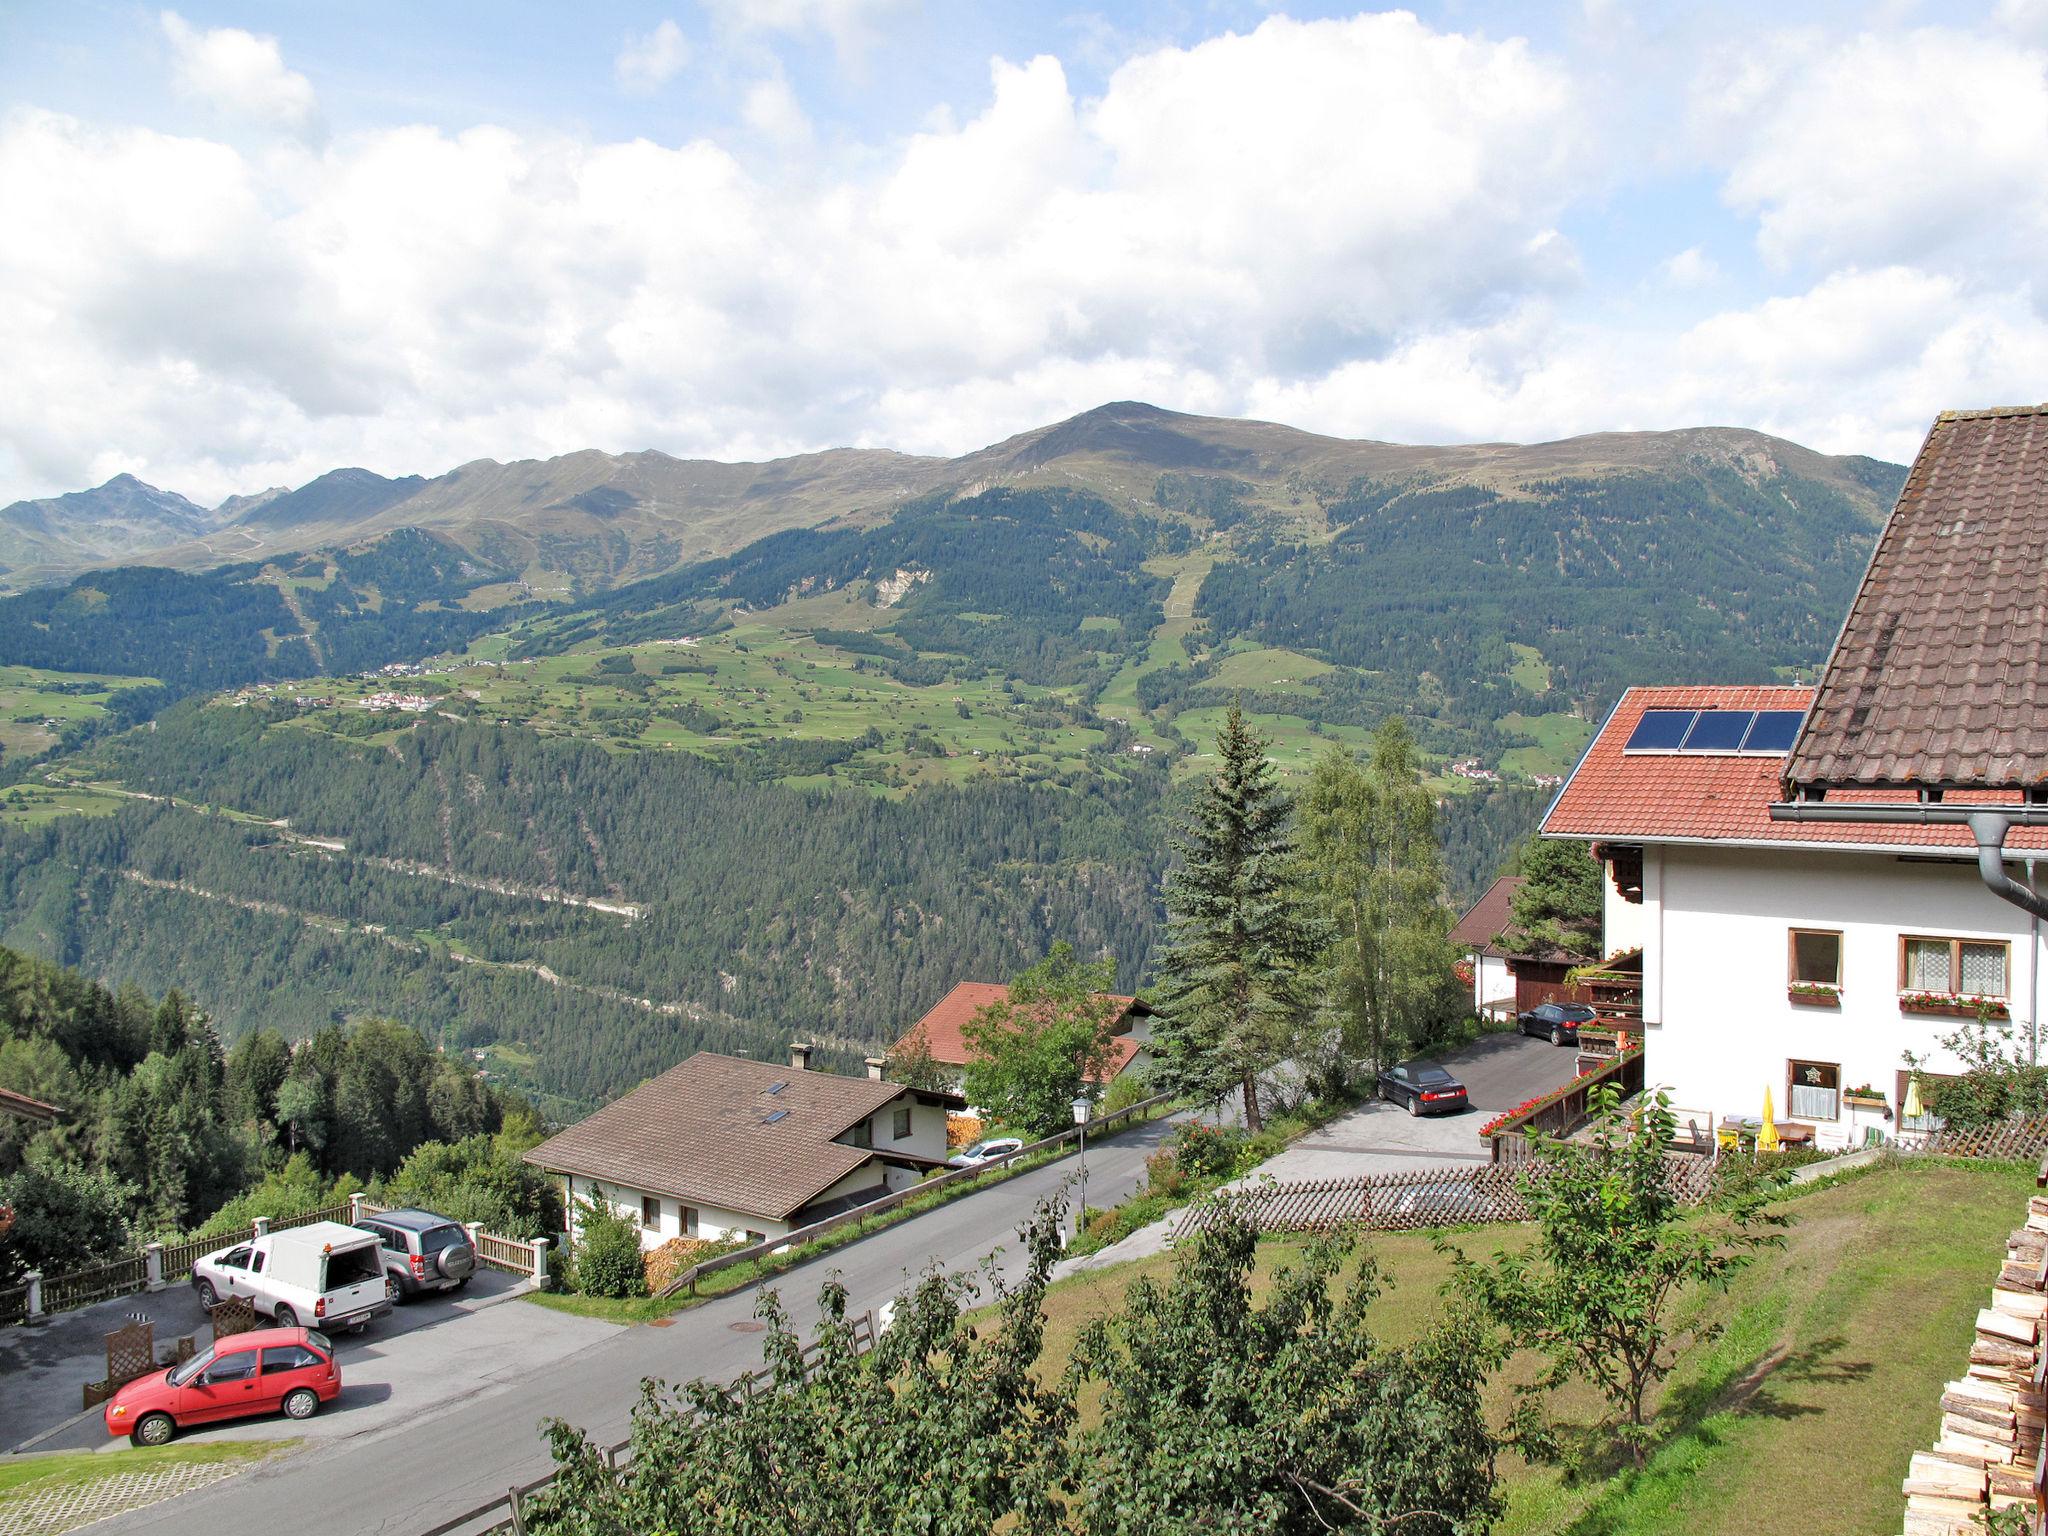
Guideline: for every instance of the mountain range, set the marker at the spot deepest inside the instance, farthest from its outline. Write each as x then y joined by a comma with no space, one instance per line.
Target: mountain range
589,521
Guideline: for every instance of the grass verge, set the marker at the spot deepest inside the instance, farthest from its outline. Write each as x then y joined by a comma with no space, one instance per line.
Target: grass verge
36,1472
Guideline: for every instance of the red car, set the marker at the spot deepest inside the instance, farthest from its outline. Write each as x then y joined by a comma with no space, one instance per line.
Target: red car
270,1370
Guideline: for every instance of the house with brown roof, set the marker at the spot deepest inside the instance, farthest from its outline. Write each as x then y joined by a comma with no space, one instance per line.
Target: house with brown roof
1478,935
720,1144
944,1027
22,1107
1799,867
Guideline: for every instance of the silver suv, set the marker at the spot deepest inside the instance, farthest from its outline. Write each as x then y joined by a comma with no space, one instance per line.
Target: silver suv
422,1252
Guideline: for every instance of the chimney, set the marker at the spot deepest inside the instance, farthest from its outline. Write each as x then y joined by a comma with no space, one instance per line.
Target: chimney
875,1066
800,1055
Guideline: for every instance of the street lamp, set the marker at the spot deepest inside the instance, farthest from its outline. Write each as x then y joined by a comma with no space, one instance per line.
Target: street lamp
1082,1109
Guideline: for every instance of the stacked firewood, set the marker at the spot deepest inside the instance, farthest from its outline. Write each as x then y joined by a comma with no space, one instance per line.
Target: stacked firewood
1991,1418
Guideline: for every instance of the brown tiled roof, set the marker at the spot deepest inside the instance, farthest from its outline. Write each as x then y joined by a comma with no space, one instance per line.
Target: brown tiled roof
1939,677
700,1133
20,1104
945,1025
1685,797
1482,924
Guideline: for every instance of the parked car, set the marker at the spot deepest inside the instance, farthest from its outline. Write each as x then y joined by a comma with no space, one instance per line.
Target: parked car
271,1370
1425,1087
323,1273
1560,1021
985,1151
422,1252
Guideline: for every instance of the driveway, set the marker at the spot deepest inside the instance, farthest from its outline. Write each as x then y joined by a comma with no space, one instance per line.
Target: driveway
423,1356
1498,1071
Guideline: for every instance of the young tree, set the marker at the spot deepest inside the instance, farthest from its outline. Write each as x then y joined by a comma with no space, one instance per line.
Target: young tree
1998,1081
1598,1292
1033,1053
913,1065
1559,904
1368,833
1281,1412
1238,944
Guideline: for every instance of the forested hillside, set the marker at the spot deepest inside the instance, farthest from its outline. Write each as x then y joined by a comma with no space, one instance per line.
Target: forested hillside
734,915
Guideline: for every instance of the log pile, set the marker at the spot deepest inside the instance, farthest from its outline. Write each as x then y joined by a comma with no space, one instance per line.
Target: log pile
1988,1455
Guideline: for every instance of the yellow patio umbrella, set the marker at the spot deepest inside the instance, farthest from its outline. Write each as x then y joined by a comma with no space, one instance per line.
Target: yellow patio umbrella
1767,1134
1913,1109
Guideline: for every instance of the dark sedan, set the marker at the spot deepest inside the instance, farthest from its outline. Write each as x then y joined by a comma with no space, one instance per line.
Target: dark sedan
1559,1021
1425,1087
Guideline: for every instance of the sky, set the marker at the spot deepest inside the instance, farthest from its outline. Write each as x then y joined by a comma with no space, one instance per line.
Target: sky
243,244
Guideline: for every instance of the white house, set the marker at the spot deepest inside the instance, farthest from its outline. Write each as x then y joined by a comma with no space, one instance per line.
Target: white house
1804,960
719,1145
1477,934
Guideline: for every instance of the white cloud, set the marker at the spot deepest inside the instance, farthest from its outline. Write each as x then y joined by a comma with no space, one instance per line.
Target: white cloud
1690,268
649,61
771,109
1887,147
851,25
240,74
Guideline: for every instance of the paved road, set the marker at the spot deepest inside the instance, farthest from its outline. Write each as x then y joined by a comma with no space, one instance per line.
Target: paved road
401,1480
1498,1071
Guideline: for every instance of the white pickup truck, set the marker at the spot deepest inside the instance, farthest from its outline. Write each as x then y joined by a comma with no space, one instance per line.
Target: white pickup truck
323,1275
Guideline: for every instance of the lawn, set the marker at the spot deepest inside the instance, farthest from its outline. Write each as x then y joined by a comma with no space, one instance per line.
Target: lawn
27,1474
32,710
1560,738
1802,1415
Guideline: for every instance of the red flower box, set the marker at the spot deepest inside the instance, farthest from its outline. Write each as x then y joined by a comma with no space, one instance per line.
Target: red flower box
1952,1006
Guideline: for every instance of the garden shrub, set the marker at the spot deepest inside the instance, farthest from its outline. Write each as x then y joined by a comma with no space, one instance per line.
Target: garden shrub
607,1261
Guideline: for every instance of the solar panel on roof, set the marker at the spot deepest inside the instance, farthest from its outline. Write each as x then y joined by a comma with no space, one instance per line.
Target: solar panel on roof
1774,731
1718,730
1660,730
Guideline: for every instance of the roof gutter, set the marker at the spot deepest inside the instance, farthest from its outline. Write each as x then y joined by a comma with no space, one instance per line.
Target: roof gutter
1988,824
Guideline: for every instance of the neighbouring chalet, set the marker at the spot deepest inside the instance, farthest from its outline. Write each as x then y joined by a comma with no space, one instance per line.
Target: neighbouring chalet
1813,883
944,1030
719,1145
1478,934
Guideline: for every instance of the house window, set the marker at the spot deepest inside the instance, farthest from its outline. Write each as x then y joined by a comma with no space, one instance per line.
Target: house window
899,1123
689,1218
1961,967
1926,1120
650,1212
1814,1090
862,1135
1816,956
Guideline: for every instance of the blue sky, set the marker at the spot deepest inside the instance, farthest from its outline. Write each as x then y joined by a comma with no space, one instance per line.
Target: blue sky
246,243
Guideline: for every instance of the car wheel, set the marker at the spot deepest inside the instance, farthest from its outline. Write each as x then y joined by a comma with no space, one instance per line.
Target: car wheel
463,1283
301,1403
153,1429
285,1317
1557,1035
209,1298
1415,1106
394,1292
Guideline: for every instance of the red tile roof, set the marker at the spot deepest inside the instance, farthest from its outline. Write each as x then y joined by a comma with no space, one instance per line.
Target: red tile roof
1938,677
1483,922
945,1025
1686,797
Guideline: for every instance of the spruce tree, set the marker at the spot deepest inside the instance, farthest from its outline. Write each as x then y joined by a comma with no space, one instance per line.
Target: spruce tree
1238,943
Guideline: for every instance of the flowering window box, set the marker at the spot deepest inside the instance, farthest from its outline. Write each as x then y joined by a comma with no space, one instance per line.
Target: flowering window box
1814,994
1953,1005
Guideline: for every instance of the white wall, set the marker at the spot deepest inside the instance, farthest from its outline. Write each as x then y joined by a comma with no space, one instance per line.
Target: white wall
712,1222
1716,971
1492,983
927,1136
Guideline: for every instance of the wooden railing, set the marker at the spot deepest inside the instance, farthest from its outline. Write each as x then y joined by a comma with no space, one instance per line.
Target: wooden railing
1565,1110
123,1277
506,1253
860,1215
508,1513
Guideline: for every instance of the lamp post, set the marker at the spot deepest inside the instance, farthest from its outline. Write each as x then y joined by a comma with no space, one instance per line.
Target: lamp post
1082,1109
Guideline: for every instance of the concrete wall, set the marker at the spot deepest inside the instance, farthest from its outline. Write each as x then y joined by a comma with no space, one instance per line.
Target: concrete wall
1719,1028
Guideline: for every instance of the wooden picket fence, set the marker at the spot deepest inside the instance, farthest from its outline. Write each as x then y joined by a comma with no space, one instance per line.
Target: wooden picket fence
1480,1195
506,1516
2021,1140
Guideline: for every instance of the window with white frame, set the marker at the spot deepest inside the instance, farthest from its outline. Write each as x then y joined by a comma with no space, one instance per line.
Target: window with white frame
1814,1090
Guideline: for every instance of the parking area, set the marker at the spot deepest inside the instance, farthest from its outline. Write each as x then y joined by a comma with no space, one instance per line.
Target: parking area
424,1355
1498,1071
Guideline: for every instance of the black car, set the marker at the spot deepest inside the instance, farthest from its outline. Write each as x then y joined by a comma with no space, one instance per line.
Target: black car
1560,1021
1425,1087
422,1252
